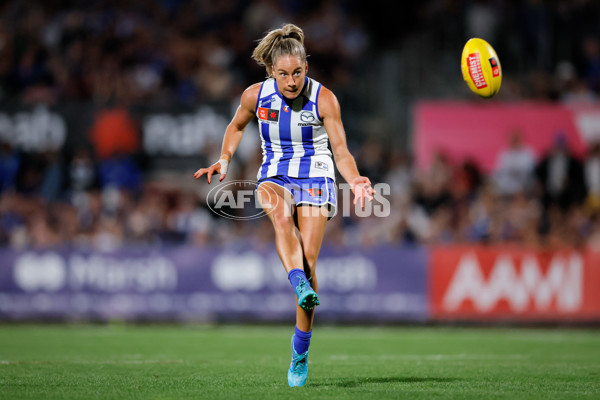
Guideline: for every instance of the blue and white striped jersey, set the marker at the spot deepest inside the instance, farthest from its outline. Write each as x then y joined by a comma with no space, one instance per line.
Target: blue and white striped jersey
294,140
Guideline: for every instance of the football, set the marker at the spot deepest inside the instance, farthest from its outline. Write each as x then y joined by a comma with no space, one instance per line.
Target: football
481,68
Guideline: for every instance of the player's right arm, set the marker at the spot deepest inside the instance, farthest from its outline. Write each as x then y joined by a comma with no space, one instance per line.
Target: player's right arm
233,134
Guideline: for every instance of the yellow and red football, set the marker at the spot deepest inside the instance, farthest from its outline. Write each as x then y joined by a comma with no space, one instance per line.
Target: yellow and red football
481,68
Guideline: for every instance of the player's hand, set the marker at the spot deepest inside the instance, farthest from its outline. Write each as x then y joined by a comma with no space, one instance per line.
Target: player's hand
361,187
218,167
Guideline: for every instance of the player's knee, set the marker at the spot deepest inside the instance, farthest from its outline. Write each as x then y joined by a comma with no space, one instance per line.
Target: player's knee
311,256
281,221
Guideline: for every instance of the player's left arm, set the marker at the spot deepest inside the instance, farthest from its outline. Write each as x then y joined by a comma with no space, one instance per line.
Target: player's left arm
330,112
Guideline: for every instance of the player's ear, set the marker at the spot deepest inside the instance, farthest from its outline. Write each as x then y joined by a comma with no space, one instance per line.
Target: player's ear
305,67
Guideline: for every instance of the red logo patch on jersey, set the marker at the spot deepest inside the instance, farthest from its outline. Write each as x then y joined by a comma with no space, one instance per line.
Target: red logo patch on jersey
268,114
262,113
286,108
315,192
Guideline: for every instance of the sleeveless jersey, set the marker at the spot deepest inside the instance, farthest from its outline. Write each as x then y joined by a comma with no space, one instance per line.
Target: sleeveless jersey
294,140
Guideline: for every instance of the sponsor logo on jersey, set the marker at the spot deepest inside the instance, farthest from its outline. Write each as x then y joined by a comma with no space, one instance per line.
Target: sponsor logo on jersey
308,119
268,114
474,63
286,108
495,67
266,102
321,165
307,116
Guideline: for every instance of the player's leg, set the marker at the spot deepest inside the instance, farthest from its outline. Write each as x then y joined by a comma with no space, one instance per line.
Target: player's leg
316,204
311,224
293,238
278,203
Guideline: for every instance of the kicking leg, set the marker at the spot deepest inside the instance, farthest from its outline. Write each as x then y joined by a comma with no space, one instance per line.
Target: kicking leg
279,206
276,202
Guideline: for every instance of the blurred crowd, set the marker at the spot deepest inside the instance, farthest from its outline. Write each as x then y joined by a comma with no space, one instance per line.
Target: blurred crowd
159,51
192,52
547,201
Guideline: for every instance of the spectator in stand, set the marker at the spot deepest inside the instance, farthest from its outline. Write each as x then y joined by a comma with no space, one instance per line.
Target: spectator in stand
187,222
82,172
9,166
116,142
481,215
521,218
372,159
433,185
592,179
13,221
560,176
400,174
593,237
573,90
514,167
120,171
53,178
591,51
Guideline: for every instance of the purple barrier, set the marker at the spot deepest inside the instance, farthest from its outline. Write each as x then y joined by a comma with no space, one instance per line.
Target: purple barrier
191,283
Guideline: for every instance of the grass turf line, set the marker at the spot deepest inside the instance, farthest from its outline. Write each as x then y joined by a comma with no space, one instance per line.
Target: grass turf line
247,362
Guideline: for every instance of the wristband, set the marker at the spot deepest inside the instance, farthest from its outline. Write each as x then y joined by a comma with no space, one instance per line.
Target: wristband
224,164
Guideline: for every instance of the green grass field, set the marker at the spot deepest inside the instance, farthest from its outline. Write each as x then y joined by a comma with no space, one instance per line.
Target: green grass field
240,362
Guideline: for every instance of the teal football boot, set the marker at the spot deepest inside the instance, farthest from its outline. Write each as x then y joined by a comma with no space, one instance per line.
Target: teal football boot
298,372
307,297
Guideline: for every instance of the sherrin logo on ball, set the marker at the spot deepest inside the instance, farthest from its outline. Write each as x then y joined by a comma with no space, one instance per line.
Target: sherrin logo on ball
481,68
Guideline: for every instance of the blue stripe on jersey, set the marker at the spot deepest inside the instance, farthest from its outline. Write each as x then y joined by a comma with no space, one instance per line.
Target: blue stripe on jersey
307,144
317,102
285,139
264,130
309,150
258,98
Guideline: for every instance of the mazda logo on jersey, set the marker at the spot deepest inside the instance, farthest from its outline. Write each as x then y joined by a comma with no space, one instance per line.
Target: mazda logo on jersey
307,116
268,114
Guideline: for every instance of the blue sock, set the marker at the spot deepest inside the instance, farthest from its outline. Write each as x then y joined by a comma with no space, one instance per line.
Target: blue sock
301,340
295,275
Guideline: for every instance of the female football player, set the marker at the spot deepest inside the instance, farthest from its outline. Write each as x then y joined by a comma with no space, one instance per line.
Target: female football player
297,118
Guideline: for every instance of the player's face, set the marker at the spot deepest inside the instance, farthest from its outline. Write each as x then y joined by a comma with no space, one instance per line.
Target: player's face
289,72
